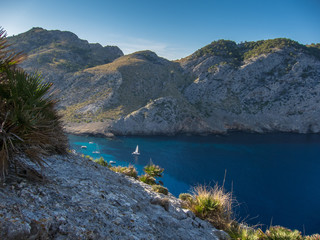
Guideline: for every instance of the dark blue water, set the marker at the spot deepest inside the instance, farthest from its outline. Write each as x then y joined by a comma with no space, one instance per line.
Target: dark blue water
274,177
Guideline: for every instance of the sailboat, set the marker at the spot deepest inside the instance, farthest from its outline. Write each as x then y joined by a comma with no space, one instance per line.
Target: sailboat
136,152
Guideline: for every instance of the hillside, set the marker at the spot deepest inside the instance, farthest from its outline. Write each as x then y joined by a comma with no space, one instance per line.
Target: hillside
271,85
61,51
268,85
80,199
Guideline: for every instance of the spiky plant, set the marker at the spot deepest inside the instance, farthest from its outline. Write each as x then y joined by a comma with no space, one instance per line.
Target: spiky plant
28,119
212,204
244,232
282,233
313,237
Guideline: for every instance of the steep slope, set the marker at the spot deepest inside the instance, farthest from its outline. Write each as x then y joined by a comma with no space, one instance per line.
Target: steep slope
61,51
271,85
130,83
57,55
83,200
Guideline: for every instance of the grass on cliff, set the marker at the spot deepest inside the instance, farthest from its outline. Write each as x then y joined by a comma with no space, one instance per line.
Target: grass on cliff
130,171
151,171
216,206
29,123
211,204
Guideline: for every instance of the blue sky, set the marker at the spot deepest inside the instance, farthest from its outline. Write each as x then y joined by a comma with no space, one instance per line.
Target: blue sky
171,28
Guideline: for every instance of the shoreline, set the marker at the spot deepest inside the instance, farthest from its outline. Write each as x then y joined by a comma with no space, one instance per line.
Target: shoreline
97,129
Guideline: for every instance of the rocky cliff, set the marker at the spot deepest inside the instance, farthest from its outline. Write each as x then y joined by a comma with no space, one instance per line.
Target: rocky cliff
270,85
79,199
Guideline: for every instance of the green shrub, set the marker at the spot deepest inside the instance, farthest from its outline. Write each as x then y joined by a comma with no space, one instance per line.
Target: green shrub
102,162
244,232
129,171
153,170
147,179
281,233
29,123
89,157
160,189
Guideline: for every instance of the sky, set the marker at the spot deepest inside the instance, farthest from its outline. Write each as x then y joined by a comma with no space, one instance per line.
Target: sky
171,28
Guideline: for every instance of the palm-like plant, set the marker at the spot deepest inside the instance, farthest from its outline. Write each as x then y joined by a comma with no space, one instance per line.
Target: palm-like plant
29,123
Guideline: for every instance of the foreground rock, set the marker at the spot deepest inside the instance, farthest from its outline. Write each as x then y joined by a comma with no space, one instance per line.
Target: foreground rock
80,199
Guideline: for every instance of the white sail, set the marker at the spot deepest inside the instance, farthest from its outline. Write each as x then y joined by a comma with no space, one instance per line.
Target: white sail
136,152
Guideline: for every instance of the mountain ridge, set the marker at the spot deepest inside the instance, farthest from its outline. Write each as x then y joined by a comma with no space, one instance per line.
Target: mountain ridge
263,86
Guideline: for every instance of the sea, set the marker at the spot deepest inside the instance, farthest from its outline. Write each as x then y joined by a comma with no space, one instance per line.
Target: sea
274,178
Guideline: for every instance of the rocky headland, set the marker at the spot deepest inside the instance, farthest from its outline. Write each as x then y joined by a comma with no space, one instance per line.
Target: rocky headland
264,86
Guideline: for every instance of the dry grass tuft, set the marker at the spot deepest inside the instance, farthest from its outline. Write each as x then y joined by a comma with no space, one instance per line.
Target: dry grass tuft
130,171
211,204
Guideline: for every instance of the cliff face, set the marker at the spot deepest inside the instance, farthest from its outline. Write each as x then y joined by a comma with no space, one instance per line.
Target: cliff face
274,91
271,85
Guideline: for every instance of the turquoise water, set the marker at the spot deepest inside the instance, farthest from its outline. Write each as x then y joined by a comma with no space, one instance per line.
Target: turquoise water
274,177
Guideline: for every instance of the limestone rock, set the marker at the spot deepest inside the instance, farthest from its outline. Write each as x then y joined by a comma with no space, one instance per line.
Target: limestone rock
80,199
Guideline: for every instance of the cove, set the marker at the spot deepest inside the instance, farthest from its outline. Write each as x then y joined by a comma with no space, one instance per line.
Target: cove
274,177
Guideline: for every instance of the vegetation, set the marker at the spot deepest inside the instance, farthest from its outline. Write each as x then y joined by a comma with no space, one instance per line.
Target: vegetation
186,197
212,204
215,206
153,170
222,48
267,46
282,233
29,123
102,162
130,171
234,54
160,189
244,232
147,179
313,237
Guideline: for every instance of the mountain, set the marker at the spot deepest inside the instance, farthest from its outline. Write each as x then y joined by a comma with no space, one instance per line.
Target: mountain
61,51
271,85
268,85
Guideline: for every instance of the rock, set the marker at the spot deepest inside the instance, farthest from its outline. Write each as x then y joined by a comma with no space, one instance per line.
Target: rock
165,115
271,92
163,202
83,200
